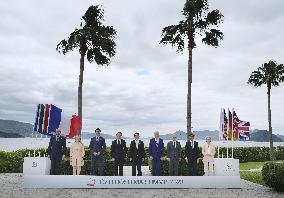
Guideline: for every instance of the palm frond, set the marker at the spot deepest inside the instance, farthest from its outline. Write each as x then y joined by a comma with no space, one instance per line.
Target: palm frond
213,37
269,74
93,38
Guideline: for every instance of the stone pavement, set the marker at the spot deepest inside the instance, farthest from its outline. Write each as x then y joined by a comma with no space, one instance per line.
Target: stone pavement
11,186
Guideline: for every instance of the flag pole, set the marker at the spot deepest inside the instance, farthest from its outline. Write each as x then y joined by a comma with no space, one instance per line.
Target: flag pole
220,132
233,133
228,129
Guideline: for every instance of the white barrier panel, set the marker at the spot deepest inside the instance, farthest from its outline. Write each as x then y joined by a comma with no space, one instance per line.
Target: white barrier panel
36,166
226,167
84,181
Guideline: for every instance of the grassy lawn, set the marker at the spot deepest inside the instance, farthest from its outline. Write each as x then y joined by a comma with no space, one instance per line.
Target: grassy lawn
255,177
254,165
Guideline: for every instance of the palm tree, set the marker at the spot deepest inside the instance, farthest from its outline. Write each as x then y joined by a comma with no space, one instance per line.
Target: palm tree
94,40
269,74
198,20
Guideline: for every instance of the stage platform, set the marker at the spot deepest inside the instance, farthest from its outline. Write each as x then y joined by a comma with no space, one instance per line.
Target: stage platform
86,181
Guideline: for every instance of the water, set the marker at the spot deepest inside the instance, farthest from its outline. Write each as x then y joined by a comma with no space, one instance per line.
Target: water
12,144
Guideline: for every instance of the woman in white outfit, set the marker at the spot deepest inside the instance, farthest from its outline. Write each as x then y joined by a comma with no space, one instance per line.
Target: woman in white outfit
208,151
77,153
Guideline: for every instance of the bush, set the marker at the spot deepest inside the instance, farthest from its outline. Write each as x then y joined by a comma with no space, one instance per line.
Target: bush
273,175
12,162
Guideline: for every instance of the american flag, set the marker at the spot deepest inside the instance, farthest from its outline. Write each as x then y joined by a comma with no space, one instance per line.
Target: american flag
225,126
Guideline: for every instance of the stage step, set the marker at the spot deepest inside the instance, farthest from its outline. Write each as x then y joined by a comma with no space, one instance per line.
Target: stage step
85,181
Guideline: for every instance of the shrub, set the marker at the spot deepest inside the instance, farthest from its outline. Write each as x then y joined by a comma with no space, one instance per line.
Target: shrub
273,175
12,162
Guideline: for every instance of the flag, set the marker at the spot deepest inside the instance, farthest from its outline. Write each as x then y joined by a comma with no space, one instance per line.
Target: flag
54,119
49,118
243,129
235,126
230,129
225,125
75,126
221,124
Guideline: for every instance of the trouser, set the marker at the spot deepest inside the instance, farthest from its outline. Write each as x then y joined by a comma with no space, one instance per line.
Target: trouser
192,166
156,166
118,167
136,164
97,166
55,165
208,167
173,166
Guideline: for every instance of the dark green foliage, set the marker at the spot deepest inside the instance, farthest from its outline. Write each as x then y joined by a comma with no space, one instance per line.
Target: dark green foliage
273,175
198,20
268,74
12,162
93,39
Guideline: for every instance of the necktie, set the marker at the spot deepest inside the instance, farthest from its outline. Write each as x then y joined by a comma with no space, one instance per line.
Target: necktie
136,144
174,144
157,144
97,138
192,144
57,138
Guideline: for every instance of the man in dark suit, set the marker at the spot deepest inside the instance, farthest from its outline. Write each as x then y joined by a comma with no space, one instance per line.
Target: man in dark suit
174,155
56,151
156,152
191,152
137,154
118,153
97,147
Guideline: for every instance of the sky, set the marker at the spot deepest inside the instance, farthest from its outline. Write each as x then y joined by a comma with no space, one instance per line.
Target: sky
145,86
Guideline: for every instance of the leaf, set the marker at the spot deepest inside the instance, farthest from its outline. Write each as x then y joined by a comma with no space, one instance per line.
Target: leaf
93,38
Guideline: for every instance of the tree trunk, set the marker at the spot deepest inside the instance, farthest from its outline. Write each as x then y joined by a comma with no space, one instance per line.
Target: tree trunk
80,89
271,151
188,116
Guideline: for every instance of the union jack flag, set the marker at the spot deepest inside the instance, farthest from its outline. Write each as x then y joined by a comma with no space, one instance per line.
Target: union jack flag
243,128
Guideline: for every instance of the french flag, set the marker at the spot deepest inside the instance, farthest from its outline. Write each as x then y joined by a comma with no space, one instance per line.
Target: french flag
49,118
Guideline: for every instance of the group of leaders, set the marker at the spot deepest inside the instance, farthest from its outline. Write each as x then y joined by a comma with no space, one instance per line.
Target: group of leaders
57,151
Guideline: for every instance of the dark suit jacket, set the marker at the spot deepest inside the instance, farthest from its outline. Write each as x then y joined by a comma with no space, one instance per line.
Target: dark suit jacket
137,154
191,153
172,151
57,148
97,146
154,150
118,151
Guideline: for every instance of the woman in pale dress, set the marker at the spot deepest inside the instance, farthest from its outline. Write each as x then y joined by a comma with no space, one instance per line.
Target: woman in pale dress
208,151
77,153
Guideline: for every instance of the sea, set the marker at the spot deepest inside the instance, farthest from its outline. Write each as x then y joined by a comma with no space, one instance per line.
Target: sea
12,144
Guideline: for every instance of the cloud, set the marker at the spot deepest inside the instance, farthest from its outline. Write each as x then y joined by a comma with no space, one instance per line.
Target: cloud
144,89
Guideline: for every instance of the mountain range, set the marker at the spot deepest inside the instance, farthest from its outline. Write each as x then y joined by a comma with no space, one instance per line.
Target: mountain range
12,128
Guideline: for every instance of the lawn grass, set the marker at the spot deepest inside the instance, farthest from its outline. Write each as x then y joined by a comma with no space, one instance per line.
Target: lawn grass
255,177
254,165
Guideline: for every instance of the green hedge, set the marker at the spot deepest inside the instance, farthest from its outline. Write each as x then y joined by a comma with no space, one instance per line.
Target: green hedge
253,154
273,175
12,162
